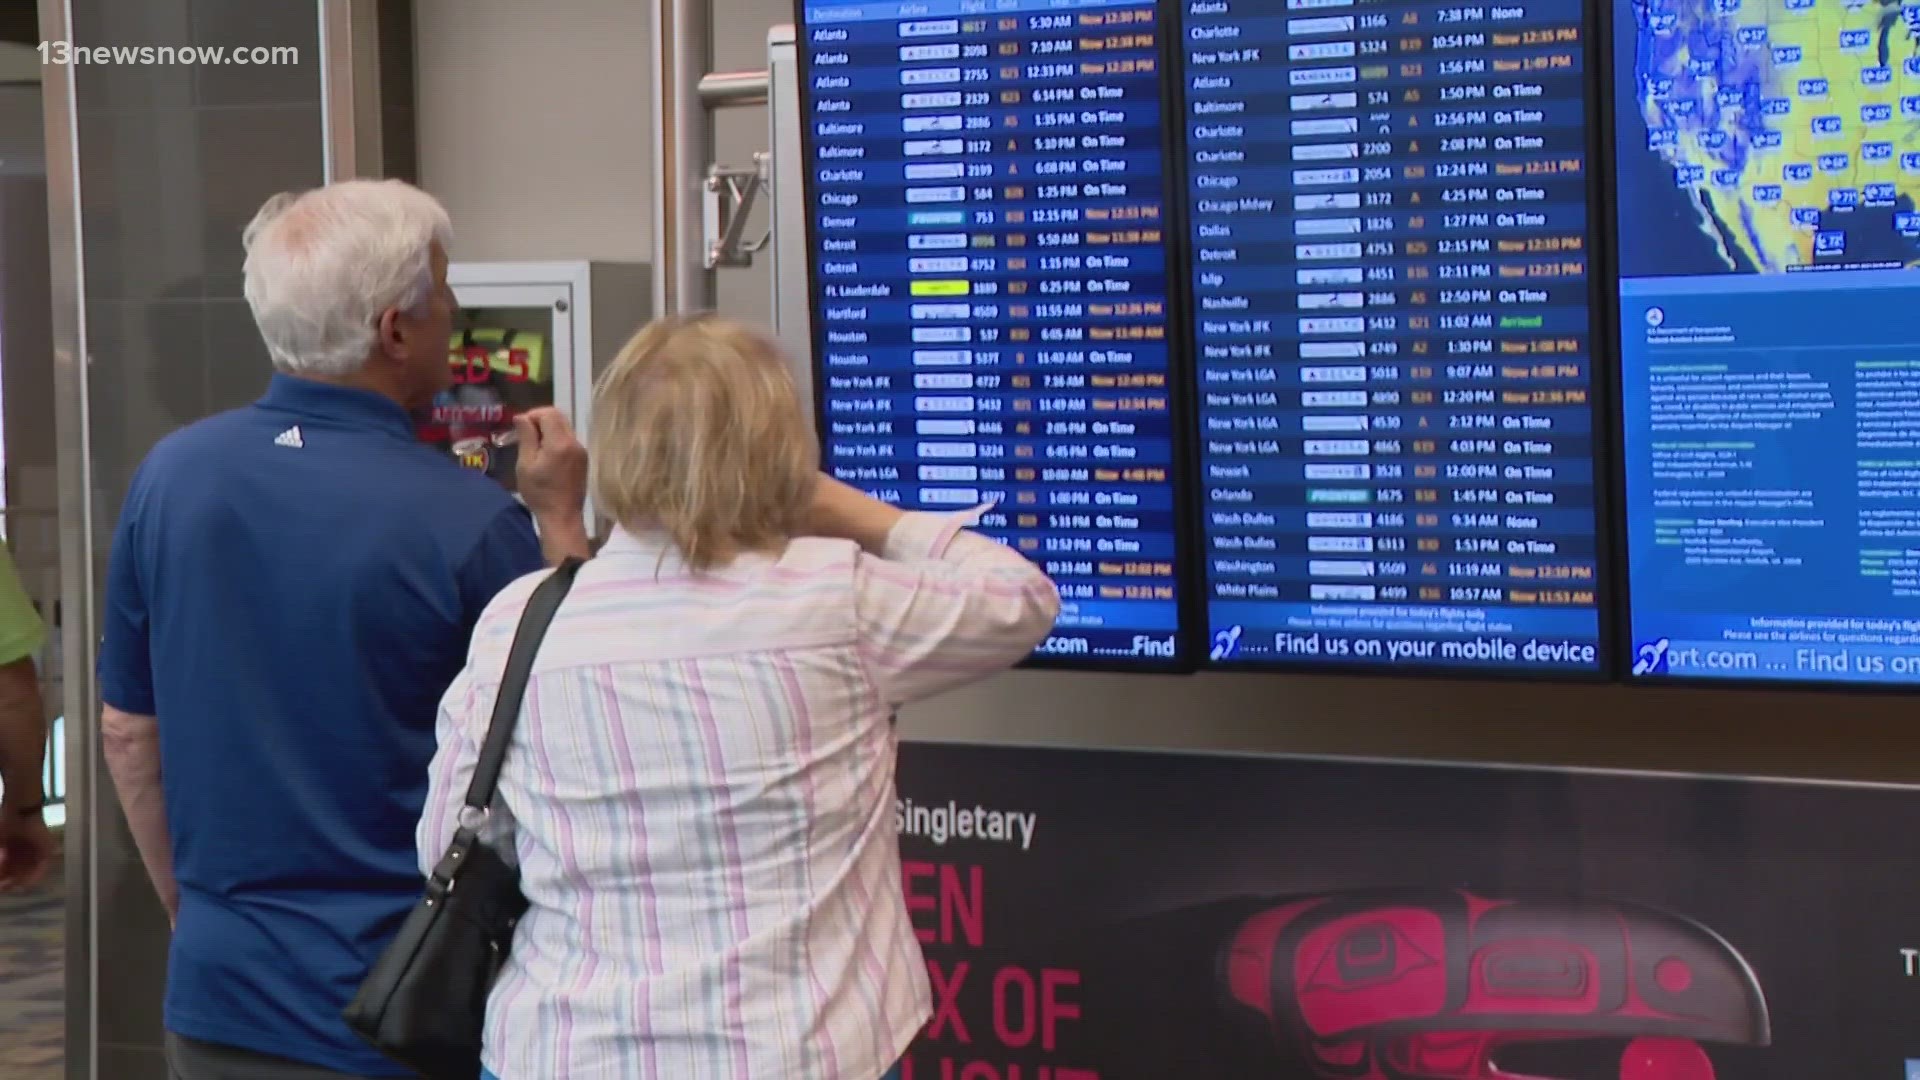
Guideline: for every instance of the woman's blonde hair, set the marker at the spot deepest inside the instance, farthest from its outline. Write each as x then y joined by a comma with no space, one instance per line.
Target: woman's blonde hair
698,431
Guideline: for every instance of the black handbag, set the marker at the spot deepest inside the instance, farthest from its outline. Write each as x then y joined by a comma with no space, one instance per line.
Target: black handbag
424,1004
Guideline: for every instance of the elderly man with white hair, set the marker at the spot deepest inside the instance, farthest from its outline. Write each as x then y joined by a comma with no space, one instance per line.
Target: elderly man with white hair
291,589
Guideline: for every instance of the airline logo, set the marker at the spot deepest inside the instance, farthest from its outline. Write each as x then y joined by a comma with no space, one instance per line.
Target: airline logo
290,437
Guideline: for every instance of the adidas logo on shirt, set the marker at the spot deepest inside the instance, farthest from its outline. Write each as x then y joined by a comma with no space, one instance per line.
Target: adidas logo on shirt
289,437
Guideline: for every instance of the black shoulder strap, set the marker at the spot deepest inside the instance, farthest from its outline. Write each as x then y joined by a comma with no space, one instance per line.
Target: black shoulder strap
513,683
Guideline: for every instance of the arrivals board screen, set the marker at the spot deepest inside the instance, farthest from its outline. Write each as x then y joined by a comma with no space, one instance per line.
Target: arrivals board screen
1768,237
1390,265
987,194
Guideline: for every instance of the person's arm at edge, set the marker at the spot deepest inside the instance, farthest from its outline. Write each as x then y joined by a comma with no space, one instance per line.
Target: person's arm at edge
131,743
23,737
129,724
23,715
26,844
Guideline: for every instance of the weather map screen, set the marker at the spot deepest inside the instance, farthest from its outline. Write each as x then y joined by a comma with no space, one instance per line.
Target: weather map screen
986,191
1769,250
1391,234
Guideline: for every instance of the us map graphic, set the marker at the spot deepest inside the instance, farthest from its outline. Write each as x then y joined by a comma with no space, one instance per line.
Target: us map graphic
1787,122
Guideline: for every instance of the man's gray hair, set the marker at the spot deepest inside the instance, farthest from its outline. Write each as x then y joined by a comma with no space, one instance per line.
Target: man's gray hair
322,266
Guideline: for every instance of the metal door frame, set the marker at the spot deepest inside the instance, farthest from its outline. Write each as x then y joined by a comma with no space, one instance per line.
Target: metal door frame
74,470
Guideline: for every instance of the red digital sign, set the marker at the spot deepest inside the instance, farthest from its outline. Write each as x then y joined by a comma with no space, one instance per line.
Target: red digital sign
479,364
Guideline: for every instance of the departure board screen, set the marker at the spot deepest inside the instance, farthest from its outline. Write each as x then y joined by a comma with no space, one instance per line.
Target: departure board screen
1768,168
987,188
1390,236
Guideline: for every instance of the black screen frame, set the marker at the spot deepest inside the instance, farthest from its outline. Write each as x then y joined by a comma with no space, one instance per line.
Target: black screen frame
1186,598
1602,381
1624,645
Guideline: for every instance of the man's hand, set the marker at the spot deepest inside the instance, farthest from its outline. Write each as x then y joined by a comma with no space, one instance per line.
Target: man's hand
26,850
552,467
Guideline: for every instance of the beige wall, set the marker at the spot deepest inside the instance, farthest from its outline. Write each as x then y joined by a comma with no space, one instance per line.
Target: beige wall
563,204
533,125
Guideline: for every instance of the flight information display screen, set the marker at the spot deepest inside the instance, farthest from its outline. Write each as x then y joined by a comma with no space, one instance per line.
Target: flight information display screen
1390,265
986,199
1769,240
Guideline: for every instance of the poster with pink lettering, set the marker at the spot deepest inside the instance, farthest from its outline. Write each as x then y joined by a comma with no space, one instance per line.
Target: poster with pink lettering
1093,915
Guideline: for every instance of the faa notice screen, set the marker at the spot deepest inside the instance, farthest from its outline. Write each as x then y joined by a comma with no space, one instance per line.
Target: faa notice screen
1769,165
990,274
1391,235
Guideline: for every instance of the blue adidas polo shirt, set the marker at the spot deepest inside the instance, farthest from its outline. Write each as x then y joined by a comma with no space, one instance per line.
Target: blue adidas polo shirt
291,588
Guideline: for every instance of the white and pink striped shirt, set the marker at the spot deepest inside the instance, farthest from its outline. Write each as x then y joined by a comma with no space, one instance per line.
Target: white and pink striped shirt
700,797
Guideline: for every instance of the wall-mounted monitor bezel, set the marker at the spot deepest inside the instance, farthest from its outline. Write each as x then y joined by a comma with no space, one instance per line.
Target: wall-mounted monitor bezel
1601,290
1614,37
1186,597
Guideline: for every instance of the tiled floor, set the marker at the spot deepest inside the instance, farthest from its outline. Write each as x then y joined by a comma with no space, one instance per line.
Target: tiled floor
32,981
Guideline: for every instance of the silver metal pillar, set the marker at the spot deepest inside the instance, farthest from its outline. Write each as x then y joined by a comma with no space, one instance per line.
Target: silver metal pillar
792,317
682,47
339,151
75,473
353,90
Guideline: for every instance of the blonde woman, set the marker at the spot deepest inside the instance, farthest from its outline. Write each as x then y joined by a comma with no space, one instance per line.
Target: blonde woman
700,790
